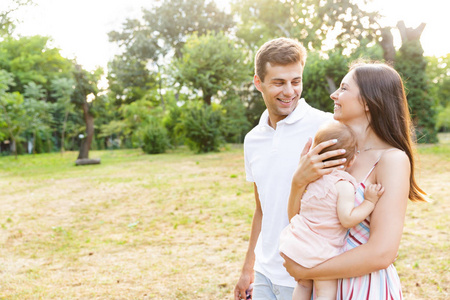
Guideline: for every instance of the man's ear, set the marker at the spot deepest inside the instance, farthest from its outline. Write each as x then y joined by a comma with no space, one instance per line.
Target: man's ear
257,82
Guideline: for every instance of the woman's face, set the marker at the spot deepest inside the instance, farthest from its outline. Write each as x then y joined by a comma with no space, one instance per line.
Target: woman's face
348,107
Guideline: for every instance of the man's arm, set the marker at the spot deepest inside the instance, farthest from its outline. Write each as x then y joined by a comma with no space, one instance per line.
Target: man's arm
247,274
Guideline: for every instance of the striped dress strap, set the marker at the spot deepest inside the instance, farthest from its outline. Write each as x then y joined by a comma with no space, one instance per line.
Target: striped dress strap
374,165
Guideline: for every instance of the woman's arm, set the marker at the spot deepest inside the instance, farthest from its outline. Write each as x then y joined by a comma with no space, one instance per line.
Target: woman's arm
311,168
386,228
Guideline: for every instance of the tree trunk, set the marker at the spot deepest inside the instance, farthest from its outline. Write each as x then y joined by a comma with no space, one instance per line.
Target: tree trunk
87,161
331,85
87,141
14,146
207,98
34,142
387,43
160,89
64,131
285,32
8,122
410,34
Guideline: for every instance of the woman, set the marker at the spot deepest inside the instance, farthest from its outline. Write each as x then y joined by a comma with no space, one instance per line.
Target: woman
371,101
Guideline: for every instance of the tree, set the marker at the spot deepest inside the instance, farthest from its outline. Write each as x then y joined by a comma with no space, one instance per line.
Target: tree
411,64
235,123
309,21
7,22
129,78
38,112
138,115
150,43
30,59
84,96
12,110
211,63
322,75
62,90
438,73
174,20
202,127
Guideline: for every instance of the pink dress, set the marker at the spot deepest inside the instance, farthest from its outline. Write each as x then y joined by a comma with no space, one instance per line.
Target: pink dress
316,234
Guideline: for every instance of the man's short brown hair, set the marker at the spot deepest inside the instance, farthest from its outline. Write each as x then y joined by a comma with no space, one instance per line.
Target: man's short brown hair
280,51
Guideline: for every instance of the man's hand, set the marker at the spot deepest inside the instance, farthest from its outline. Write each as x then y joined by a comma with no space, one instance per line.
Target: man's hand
243,285
311,166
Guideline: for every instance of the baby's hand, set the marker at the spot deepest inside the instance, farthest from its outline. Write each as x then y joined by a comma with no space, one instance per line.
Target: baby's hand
373,192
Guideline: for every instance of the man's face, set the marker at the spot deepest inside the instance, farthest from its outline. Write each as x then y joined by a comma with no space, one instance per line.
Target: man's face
281,89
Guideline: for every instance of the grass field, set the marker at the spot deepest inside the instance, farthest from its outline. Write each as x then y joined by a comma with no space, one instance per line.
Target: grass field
170,226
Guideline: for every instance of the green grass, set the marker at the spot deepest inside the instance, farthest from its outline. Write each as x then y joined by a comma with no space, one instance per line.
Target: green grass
169,226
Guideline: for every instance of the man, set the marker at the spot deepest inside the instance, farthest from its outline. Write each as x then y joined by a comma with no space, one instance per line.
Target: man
272,153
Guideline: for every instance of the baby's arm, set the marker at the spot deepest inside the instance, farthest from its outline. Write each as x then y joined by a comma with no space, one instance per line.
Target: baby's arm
348,214
373,192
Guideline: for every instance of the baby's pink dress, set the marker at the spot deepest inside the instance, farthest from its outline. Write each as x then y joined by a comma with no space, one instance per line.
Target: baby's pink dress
316,234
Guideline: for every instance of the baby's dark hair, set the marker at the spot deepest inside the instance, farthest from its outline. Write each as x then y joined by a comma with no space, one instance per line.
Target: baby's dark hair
345,136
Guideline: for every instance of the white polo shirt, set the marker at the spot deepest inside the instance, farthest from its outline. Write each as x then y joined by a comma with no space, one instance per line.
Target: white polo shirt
271,157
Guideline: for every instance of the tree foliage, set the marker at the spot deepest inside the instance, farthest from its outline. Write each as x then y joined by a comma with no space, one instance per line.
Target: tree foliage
211,63
7,21
184,75
411,65
154,138
174,20
202,128
30,59
438,72
309,21
12,111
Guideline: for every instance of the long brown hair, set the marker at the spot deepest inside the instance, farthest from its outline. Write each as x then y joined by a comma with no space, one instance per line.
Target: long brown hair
381,89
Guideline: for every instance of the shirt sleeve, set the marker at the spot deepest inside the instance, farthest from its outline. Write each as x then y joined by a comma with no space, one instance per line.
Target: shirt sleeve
248,169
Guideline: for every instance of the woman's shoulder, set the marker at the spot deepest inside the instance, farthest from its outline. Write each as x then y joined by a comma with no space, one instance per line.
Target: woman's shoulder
394,158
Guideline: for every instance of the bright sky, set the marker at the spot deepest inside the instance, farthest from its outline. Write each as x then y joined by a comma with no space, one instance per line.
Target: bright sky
79,27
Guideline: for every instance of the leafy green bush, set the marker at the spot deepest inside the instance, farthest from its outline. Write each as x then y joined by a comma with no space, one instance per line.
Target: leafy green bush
173,123
443,118
202,127
154,138
235,123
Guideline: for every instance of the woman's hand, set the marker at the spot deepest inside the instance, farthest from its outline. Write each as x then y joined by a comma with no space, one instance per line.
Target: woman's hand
311,166
294,269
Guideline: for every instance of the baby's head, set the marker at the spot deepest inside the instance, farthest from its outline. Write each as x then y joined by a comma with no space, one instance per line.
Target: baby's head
346,140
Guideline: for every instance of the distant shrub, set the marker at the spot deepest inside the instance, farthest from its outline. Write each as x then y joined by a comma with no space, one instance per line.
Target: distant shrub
154,138
202,127
173,123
